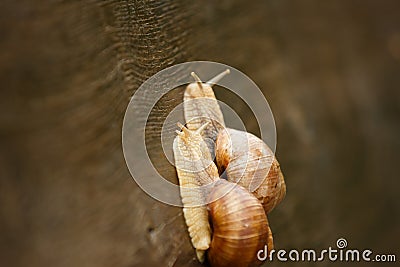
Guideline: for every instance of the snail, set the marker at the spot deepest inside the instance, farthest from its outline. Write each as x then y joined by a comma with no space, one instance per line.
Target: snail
239,224
238,221
247,160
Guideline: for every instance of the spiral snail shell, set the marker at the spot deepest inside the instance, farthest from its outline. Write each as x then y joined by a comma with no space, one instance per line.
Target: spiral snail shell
240,227
249,162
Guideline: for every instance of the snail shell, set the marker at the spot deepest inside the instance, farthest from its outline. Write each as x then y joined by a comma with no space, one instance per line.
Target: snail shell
240,227
249,162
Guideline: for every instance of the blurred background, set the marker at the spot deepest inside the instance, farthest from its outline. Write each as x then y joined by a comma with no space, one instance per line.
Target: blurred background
329,69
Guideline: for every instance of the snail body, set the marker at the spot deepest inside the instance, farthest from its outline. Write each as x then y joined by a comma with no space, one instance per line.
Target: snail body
194,168
200,106
239,224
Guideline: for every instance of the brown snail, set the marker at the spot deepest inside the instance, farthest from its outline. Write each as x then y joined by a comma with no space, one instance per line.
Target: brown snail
246,159
239,225
238,221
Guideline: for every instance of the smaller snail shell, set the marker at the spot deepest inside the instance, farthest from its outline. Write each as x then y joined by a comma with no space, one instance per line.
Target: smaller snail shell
249,162
240,226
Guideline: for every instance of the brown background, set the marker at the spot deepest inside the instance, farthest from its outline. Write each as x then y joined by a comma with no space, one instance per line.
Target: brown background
329,69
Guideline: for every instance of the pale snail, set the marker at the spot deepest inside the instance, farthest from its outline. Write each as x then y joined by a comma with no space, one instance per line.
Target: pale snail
254,168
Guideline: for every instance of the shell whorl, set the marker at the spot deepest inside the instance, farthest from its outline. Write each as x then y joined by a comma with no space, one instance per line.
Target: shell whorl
249,162
240,226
